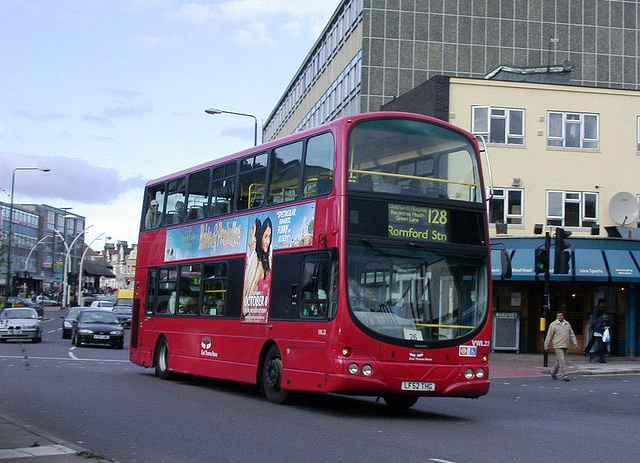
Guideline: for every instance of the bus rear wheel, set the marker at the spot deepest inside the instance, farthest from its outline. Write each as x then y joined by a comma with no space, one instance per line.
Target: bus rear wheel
400,402
272,377
162,360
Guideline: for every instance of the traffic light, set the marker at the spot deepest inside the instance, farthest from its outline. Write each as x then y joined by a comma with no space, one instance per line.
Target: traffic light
561,258
542,260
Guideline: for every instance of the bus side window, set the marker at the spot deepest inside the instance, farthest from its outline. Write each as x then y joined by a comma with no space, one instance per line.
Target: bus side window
316,285
214,297
198,195
285,173
154,207
318,165
151,291
222,190
175,212
252,178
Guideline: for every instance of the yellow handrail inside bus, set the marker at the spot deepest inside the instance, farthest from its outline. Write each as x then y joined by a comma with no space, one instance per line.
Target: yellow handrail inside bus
436,325
405,176
254,194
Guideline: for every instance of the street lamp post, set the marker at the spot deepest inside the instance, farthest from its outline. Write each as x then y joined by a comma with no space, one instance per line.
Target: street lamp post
214,111
80,296
67,264
9,283
26,261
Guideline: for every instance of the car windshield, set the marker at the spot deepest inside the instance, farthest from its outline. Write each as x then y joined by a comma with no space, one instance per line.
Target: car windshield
19,313
416,295
99,317
122,310
73,314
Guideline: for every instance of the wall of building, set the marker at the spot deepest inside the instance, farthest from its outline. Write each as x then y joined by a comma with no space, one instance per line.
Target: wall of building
404,43
606,170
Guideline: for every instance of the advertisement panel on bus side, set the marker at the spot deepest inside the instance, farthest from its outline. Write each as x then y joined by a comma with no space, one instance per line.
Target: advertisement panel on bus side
256,235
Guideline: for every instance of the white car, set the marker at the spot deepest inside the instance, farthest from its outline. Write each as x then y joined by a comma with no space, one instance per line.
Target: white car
102,304
20,323
45,301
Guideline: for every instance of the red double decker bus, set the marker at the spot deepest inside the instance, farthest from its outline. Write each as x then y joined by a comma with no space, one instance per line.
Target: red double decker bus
351,258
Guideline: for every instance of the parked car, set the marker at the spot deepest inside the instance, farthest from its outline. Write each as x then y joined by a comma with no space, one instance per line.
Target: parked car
46,301
102,304
67,321
97,326
24,302
123,313
20,302
20,323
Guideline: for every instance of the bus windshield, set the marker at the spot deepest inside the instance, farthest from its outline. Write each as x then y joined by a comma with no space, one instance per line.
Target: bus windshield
415,295
415,158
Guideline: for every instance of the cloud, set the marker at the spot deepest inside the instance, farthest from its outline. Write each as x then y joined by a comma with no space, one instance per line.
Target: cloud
197,13
109,115
70,179
288,16
257,33
37,116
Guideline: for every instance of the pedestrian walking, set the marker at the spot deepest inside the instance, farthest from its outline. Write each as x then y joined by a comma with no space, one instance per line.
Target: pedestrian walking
601,307
598,332
606,338
559,337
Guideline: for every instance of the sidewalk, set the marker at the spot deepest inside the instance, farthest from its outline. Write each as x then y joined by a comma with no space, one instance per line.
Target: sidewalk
512,365
20,443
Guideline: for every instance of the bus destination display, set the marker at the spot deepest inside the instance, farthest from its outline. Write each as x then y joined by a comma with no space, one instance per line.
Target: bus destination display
418,223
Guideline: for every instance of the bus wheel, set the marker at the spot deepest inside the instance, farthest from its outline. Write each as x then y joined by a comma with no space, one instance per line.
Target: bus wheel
400,402
272,376
162,360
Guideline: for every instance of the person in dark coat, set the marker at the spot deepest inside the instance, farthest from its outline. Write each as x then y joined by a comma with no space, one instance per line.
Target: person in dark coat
598,331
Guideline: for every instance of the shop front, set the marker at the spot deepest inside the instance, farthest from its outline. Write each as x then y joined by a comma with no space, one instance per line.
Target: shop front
599,269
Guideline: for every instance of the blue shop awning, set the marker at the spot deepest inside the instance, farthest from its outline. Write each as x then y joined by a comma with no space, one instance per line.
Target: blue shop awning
522,264
496,264
590,266
621,266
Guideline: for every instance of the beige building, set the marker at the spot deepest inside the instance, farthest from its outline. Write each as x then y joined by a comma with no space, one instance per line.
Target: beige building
559,154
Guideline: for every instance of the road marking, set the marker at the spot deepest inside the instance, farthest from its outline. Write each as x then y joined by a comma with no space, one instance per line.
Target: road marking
42,451
438,460
63,358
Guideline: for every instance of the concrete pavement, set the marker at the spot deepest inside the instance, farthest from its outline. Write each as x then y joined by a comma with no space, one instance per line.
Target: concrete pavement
21,443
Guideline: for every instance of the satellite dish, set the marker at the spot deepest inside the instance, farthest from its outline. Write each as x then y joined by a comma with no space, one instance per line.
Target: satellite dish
623,208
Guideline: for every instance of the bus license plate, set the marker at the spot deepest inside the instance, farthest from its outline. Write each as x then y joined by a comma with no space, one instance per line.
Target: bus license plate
418,386
100,336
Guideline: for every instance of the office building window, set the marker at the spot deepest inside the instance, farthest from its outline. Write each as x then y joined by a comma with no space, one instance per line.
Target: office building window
573,130
507,206
499,126
572,209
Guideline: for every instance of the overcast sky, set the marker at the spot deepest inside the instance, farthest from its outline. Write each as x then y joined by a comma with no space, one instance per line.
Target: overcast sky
111,93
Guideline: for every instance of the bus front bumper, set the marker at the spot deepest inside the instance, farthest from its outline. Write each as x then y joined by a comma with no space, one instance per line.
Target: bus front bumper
399,377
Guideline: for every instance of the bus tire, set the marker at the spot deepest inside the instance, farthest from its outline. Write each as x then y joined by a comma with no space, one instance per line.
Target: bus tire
272,376
162,360
400,401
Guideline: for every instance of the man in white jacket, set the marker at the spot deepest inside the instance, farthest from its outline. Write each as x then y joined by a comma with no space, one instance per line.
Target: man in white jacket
559,337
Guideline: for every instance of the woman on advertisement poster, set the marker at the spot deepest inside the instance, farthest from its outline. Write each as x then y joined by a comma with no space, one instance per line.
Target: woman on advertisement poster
257,281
